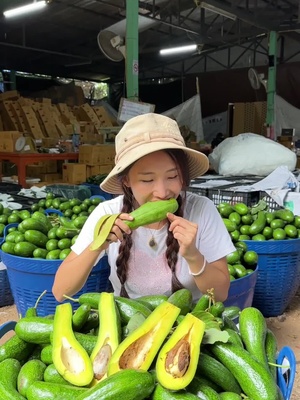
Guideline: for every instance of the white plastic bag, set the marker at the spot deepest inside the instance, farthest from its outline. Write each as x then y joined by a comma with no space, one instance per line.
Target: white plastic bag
250,154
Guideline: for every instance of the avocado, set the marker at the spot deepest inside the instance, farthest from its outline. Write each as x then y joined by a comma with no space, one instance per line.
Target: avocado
138,349
109,336
70,359
177,360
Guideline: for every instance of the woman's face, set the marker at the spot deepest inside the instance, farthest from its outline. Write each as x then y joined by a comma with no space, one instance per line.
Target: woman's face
154,177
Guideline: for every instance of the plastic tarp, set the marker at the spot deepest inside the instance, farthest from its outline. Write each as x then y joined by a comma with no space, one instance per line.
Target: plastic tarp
287,116
189,114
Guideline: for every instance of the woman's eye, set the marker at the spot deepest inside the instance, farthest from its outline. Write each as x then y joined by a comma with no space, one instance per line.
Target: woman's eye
147,181
173,177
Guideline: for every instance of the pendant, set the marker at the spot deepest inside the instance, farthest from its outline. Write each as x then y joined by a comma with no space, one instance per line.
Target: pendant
152,242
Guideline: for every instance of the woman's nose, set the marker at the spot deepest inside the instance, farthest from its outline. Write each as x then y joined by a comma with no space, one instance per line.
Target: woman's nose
161,190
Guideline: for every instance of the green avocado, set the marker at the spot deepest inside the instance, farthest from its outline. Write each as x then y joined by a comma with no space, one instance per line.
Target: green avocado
177,360
138,349
70,359
108,337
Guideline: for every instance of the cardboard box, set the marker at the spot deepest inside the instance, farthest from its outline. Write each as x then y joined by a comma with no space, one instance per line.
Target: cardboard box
8,140
98,169
52,178
97,155
74,173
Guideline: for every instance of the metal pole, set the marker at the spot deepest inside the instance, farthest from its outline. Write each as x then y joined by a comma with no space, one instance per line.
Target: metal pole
271,86
132,49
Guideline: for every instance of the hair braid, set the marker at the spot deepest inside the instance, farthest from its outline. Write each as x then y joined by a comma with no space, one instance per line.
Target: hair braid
125,246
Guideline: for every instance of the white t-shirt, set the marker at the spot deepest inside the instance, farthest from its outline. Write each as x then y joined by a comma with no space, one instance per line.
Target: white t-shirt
148,271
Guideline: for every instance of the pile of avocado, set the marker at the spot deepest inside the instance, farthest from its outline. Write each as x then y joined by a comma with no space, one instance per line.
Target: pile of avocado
41,235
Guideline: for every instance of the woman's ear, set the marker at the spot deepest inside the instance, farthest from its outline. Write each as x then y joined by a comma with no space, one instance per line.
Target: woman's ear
125,181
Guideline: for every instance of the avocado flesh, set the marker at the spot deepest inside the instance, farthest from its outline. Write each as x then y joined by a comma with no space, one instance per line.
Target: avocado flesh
177,360
139,348
69,357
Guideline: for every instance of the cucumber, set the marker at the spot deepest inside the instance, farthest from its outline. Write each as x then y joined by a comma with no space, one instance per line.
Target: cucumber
161,393
40,216
16,348
9,370
202,304
234,337
253,330
128,307
182,299
30,372
53,391
231,312
36,237
255,380
126,384
34,329
215,371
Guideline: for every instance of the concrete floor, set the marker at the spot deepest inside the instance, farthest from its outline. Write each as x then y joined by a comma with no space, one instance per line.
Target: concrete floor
285,328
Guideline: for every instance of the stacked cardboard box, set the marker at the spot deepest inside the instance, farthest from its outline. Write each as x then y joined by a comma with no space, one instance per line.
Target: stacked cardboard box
8,140
99,159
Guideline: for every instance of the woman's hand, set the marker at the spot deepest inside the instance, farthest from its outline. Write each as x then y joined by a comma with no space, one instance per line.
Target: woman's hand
185,233
118,229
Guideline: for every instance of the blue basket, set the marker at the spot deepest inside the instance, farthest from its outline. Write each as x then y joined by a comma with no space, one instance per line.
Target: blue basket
278,274
241,291
29,277
95,190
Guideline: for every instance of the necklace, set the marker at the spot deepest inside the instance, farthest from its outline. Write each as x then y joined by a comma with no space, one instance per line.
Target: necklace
152,242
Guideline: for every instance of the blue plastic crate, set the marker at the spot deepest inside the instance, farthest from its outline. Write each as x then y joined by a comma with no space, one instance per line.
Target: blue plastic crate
95,190
241,291
29,277
278,274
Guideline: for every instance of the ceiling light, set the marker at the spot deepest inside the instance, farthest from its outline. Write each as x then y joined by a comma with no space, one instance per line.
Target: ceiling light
177,50
217,10
36,5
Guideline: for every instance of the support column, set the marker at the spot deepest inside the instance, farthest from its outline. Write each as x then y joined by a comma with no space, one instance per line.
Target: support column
271,86
132,50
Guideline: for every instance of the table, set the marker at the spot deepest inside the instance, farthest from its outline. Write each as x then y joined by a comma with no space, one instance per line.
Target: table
23,159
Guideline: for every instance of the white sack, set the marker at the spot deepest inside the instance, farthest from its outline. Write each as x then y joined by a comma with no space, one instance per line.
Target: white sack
250,154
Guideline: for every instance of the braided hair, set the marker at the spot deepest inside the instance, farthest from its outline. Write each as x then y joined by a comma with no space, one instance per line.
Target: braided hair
181,162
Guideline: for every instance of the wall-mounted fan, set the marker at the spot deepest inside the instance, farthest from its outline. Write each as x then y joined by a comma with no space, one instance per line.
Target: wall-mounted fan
111,45
256,79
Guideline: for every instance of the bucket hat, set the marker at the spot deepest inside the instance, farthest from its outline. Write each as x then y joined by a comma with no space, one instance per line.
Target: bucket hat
146,134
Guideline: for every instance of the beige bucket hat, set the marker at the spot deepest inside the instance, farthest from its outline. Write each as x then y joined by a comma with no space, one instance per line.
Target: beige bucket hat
146,134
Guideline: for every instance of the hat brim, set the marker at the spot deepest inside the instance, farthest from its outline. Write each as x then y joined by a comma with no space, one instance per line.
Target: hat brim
198,163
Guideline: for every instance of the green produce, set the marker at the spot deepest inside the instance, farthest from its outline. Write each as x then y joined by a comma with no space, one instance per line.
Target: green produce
24,249
128,307
148,338
146,214
253,330
202,388
9,370
51,375
36,237
16,348
177,360
161,393
109,336
34,329
182,299
69,357
212,369
80,316
53,391
152,301
30,372
271,352
255,380
127,384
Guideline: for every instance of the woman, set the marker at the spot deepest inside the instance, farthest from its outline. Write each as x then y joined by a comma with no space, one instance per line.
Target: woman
187,249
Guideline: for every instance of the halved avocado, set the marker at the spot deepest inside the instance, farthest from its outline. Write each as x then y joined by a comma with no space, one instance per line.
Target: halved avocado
108,336
178,358
138,350
69,357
